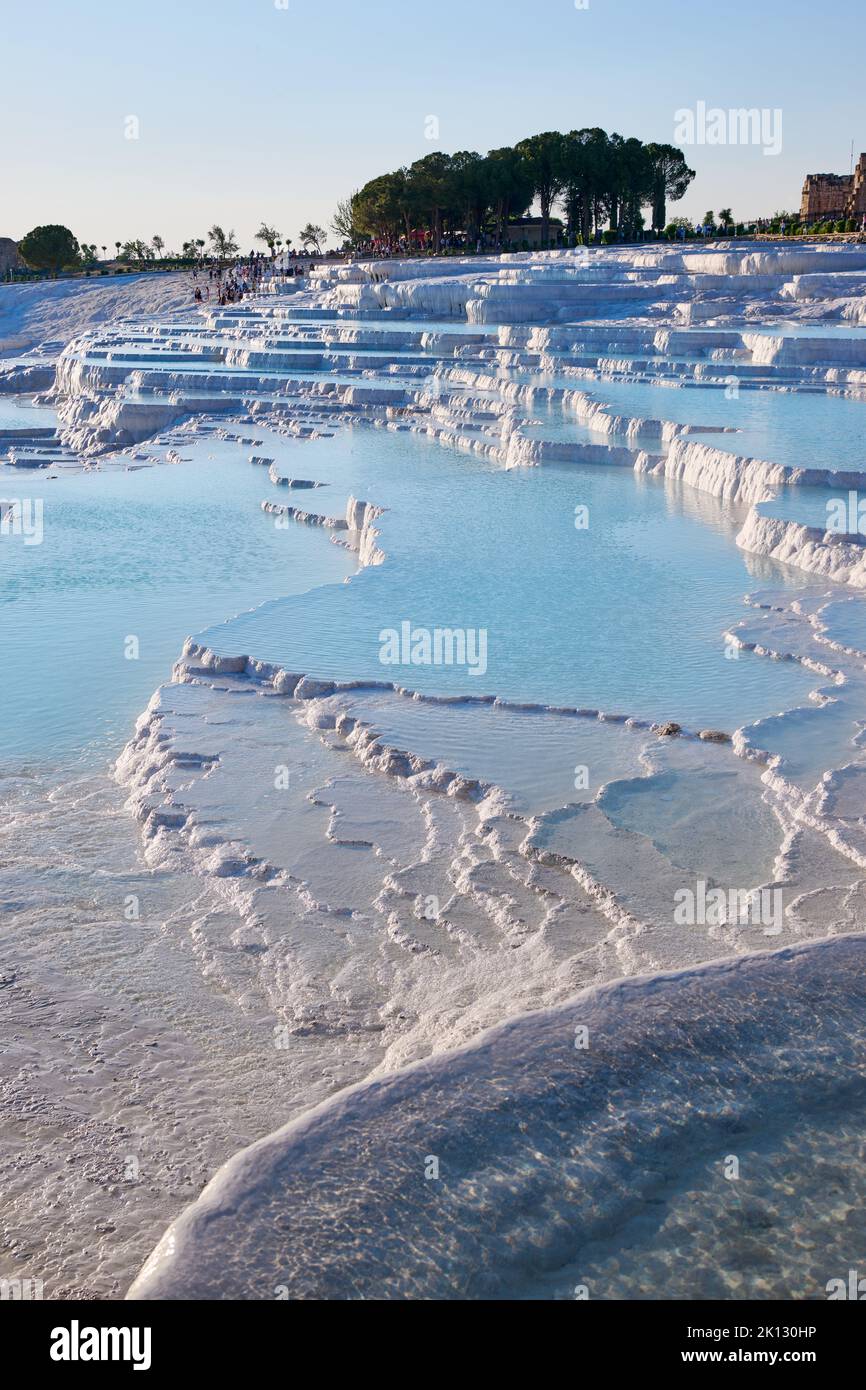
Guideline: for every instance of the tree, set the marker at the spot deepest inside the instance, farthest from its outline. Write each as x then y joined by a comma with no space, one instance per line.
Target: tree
383,205
725,218
222,243
598,178
314,236
469,192
509,187
158,244
543,157
586,175
575,167
671,177
431,189
270,236
49,248
136,251
678,224
629,185
343,221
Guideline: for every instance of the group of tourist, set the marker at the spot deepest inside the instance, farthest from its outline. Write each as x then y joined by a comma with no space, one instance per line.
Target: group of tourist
421,242
229,284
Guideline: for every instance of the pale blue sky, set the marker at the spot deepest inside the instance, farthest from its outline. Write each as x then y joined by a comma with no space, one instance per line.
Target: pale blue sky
250,110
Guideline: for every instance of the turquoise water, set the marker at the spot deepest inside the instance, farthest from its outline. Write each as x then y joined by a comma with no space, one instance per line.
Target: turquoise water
789,329
150,554
808,505
800,429
846,621
625,616
566,614
157,554
19,414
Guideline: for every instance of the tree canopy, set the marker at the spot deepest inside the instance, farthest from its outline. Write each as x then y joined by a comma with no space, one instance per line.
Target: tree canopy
597,179
313,235
50,248
270,236
223,244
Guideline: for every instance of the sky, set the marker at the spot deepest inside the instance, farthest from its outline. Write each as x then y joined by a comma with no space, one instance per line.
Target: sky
251,110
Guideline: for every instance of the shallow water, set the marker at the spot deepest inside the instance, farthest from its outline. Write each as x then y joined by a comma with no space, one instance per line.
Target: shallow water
799,429
790,328
707,1143
122,558
627,616
19,413
130,563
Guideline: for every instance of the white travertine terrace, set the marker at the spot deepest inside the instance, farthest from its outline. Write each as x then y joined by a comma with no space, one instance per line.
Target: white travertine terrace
599,1133
468,352
116,388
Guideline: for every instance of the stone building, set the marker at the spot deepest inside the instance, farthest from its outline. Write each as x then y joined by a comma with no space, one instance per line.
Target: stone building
835,195
529,229
9,258
858,189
